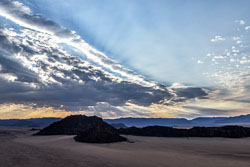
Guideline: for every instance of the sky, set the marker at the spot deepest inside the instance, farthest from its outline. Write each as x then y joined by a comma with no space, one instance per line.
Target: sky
134,58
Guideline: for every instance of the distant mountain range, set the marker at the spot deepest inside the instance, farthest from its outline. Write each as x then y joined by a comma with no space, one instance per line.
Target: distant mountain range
139,122
182,122
33,122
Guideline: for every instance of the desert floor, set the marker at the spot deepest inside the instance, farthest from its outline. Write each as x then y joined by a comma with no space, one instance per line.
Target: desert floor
18,148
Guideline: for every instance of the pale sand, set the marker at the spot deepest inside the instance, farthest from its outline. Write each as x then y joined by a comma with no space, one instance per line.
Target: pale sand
21,149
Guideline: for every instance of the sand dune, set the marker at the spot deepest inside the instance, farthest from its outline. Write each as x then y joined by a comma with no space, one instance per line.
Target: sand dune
20,149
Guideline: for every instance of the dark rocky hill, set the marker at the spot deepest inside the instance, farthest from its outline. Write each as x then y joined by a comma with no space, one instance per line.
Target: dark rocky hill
88,129
99,134
224,131
161,131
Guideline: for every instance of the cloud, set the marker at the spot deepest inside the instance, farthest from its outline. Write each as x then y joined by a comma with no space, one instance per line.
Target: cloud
230,65
236,38
41,67
222,103
247,27
217,38
17,13
47,75
200,62
241,22
209,111
20,111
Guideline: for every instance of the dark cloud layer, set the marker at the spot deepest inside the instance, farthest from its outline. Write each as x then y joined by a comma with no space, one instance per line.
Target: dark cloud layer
201,111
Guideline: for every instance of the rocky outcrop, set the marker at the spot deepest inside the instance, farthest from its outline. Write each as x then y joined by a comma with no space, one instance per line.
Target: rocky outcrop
88,129
99,134
161,131
224,131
